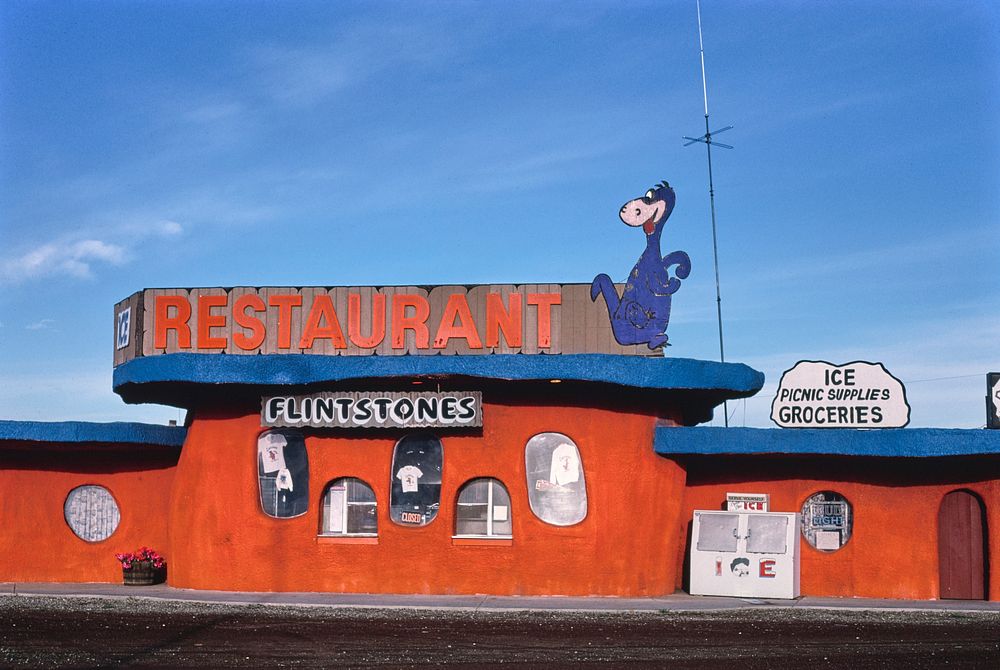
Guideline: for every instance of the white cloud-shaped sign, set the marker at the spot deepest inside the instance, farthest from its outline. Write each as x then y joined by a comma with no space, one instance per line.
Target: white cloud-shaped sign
817,394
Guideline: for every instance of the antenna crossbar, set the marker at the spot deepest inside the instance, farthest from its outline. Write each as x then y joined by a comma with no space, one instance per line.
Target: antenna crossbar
707,138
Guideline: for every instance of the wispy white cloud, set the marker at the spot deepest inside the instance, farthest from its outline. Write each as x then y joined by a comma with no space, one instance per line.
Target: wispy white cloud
303,75
527,168
950,243
832,106
153,228
43,324
72,391
212,112
61,258
69,256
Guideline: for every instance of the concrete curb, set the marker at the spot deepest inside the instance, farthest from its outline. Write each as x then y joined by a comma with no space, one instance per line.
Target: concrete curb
678,602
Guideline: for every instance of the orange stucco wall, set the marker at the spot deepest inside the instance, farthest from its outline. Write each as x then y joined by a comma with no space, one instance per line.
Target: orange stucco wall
892,552
624,547
36,544
203,512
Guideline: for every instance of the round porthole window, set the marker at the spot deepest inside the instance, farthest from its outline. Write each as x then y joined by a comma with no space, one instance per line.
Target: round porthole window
827,520
91,512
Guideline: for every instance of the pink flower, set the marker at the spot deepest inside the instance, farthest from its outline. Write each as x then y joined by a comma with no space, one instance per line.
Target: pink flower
142,555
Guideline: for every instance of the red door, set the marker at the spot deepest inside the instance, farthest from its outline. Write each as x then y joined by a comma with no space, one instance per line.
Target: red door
962,546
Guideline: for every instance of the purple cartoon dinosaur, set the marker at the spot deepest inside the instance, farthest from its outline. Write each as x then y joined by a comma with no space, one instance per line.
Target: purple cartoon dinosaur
642,312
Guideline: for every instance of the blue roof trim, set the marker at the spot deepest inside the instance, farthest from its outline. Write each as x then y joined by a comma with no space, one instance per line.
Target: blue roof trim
731,380
80,431
903,442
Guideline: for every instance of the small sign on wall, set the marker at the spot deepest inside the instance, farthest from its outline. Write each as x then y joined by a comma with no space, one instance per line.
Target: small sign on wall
818,394
993,400
748,502
375,409
123,328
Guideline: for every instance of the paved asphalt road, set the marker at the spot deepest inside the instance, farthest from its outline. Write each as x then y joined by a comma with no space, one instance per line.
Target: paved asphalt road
86,632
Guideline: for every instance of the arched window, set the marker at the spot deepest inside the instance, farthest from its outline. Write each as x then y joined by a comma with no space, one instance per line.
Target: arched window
483,510
91,512
415,487
283,473
349,508
557,488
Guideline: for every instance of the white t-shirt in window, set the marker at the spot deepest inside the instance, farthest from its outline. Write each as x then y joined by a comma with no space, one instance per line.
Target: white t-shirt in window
409,475
272,452
565,468
283,482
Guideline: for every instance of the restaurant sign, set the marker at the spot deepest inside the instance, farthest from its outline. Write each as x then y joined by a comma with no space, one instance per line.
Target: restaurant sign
817,394
374,409
366,320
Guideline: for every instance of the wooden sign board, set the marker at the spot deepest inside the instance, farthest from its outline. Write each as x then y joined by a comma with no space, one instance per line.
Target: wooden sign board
374,409
364,321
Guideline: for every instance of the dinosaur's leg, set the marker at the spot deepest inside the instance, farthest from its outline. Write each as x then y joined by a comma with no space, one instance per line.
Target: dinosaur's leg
603,284
657,340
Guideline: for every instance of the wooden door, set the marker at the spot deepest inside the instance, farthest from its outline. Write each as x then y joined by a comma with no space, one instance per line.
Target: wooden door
962,546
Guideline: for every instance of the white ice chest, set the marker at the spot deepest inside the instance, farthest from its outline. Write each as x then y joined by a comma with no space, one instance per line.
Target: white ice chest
745,554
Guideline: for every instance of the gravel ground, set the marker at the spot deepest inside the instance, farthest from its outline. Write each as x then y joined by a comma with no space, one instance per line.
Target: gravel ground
71,632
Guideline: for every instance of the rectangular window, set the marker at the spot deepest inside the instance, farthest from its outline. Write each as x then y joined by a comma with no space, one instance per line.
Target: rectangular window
349,508
483,510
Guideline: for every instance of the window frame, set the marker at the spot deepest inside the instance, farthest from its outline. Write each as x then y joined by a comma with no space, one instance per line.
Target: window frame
324,516
432,467
541,503
262,476
806,527
490,521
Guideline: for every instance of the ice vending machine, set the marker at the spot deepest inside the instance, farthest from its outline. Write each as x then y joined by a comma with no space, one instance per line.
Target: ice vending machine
745,554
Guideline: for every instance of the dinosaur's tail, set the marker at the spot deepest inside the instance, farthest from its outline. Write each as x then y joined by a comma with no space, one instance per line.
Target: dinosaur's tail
602,284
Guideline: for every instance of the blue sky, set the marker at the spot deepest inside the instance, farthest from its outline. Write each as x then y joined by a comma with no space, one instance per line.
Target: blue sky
147,144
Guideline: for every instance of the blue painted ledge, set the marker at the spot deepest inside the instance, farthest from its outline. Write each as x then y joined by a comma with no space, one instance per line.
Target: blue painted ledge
80,431
902,442
729,380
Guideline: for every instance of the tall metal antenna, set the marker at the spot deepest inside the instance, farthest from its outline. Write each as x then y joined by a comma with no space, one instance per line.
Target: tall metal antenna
708,142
